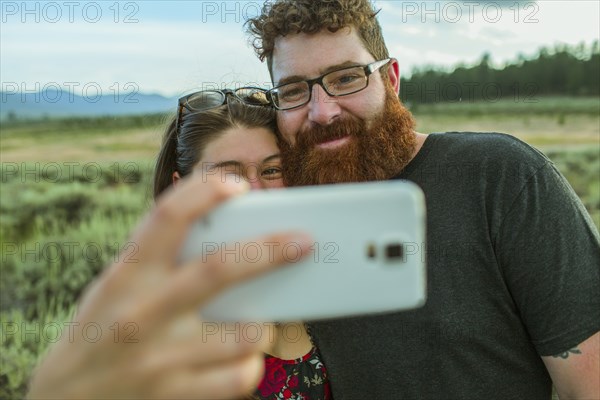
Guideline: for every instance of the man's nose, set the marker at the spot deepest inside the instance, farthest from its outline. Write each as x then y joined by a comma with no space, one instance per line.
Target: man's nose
323,108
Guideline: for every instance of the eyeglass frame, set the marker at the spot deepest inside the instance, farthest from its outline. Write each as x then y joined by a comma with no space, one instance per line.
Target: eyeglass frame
182,102
369,69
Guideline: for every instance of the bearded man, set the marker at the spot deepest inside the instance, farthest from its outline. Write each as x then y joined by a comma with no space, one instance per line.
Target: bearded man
513,258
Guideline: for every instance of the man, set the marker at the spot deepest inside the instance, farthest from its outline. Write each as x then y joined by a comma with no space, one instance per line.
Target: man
513,258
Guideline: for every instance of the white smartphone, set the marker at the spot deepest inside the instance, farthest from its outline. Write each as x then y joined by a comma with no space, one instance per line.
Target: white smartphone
368,254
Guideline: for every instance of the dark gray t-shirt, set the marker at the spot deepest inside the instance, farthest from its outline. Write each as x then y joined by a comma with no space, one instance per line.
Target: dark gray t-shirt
513,274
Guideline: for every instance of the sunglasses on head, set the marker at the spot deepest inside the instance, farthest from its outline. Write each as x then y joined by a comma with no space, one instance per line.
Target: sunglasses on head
209,99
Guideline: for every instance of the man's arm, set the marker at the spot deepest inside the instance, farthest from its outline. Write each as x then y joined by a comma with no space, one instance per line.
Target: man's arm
576,372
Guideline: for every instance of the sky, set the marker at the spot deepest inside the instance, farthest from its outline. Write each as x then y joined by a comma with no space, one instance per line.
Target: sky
174,47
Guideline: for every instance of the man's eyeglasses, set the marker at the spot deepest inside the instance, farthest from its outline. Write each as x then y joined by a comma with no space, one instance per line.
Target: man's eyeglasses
208,99
341,82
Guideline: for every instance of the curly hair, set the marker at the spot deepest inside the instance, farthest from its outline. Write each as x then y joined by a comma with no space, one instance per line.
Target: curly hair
283,17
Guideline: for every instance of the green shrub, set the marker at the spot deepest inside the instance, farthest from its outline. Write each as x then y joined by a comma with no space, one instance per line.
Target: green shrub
58,233
24,341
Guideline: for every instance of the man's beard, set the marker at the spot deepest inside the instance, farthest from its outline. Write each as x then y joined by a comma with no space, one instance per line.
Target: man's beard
375,153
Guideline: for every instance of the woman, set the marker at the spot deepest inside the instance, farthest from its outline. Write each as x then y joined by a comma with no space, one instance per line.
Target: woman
145,304
144,308
231,134
213,135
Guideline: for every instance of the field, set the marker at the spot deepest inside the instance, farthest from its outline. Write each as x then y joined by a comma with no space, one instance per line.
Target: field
73,189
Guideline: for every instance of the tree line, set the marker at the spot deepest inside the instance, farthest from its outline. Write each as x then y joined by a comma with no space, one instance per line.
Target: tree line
561,70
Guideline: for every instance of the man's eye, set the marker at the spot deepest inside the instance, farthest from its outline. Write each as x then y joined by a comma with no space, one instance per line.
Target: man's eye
346,79
291,93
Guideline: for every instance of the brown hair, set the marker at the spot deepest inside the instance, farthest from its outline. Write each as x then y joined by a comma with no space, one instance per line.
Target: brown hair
283,17
180,152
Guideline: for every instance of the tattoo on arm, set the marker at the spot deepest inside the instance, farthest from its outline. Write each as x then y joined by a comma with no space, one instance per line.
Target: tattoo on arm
565,354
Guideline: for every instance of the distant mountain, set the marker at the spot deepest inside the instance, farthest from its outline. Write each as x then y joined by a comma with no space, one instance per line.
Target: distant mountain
54,103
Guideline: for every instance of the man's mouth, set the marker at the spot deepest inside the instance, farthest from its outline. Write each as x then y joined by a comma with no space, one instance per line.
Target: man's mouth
332,144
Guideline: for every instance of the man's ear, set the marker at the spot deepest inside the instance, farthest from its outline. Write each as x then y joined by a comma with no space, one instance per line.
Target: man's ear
393,73
176,178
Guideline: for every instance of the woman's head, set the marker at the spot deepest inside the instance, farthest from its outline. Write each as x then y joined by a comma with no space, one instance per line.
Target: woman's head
234,138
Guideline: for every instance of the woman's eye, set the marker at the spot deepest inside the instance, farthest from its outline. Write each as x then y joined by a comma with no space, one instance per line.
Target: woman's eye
271,173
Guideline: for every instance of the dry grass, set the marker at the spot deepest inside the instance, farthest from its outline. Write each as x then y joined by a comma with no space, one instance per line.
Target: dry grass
537,130
544,131
126,145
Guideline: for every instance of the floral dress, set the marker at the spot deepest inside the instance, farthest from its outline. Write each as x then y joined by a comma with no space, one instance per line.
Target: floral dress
304,378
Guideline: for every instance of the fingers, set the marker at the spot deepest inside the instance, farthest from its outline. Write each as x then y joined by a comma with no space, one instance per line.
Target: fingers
191,342
206,276
160,236
152,299
125,288
226,381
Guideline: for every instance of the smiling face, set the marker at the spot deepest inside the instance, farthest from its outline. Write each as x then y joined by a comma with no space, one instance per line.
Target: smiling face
364,136
250,153
320,53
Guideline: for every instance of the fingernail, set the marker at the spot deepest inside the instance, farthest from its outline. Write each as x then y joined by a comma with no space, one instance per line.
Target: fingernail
301,239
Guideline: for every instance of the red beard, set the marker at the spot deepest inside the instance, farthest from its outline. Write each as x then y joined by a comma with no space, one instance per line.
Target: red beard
377,153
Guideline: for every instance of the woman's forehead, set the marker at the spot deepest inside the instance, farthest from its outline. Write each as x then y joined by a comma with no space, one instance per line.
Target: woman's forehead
242,144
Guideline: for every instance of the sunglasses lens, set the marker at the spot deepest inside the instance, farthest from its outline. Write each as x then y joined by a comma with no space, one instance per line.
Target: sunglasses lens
254,96
205,100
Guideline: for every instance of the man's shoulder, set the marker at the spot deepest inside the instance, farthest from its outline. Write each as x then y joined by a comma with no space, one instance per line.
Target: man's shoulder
480,141
490,147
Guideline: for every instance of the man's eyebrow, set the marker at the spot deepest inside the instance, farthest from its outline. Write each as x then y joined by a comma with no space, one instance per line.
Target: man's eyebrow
298,78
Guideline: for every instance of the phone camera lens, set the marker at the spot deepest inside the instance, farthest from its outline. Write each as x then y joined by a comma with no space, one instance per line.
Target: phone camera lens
394,251
371,252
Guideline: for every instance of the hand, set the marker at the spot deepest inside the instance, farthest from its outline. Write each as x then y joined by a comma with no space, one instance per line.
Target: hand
152,343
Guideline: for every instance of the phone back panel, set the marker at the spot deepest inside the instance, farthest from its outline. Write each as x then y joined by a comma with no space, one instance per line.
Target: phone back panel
368,253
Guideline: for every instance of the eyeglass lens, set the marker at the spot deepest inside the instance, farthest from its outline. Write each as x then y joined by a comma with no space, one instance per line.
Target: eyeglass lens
336,83
253,96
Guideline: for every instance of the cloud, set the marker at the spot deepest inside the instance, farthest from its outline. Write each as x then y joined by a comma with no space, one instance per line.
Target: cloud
178,46
427,35
166,57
